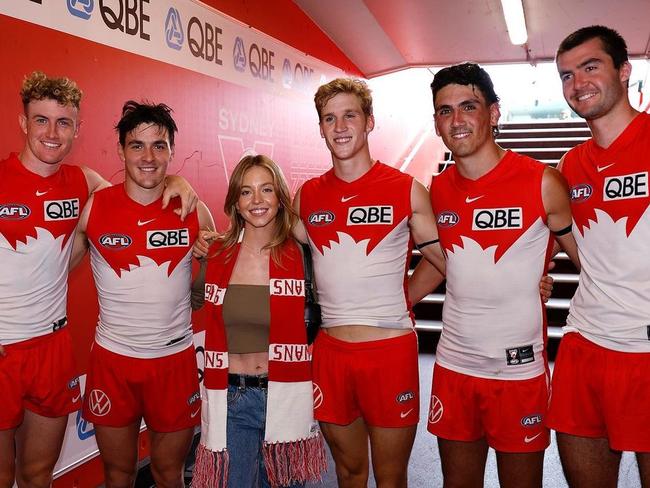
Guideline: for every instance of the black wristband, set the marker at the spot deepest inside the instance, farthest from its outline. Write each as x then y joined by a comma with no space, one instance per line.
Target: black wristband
561,232
425,244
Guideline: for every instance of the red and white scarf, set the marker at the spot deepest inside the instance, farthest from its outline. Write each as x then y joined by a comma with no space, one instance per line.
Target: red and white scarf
293,446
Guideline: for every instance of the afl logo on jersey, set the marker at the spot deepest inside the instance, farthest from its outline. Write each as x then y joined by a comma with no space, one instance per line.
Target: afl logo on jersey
581,192
115,242
448,219
61,209
14,211
322,217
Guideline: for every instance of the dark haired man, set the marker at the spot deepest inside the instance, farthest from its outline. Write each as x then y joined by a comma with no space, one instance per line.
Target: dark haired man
143,363
495,212
601,387
40,202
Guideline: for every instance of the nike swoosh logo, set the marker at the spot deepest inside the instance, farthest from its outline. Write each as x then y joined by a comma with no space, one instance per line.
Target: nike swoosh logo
470,200
345,199
196,412
405,414
603,168
41,193
76,399
528,440
145,222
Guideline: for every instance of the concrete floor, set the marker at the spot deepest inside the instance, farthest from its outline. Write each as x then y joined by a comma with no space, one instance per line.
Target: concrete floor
425,470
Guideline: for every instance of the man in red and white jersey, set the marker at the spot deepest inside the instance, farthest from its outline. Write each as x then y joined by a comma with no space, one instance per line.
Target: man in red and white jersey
359,219
143,363
495,212
601,387
40,202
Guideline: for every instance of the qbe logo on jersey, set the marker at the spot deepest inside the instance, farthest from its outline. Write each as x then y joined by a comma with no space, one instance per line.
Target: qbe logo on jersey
497,218
61,209
157,239
626,187
371,215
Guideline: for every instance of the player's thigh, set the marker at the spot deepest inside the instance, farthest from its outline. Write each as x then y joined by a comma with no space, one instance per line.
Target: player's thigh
38,445
7,458
463,462
520,469
118,447
390,449
349,445
588,461
168,453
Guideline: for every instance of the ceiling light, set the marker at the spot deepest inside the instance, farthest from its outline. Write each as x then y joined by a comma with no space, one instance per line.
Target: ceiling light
513,11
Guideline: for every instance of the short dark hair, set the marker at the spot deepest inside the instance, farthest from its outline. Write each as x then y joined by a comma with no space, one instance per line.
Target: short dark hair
613,42
465,74
134,114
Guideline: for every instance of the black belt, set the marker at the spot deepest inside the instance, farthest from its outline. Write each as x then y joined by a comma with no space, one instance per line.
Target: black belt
243,381
59,324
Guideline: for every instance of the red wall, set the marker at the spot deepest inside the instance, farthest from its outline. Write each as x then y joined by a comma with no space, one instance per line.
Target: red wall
217,120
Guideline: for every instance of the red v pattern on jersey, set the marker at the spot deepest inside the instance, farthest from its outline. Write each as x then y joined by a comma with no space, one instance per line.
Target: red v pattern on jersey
29,202
365,209
125,232
613,180
493,211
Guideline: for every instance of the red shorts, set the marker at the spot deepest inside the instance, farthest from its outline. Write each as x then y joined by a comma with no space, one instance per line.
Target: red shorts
39,375
376,380
509,414
598,392
120,390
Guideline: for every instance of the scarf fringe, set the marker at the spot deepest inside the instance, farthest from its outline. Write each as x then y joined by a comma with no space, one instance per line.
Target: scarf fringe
295,462
210,468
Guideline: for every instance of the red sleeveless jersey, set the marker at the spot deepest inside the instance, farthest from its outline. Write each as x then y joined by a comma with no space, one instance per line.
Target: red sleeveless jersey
360,241
610,201
38,216
142,263
494,235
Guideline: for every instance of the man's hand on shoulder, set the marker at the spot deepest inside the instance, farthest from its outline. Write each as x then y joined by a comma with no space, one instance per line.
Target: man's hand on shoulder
177,186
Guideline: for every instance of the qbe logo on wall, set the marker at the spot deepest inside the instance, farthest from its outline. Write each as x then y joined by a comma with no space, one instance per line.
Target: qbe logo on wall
81,8
174,35
239,55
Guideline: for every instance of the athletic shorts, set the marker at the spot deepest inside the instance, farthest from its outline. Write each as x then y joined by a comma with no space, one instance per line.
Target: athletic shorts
509,414
39,375
598,392
375,380
120,390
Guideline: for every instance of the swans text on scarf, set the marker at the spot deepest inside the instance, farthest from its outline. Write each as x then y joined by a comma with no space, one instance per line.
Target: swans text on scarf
216,360
289,353
287,287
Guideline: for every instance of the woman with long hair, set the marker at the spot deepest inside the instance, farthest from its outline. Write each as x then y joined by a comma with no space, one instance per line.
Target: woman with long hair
257,427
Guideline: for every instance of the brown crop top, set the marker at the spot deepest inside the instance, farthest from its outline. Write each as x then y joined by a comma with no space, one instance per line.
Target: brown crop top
247,318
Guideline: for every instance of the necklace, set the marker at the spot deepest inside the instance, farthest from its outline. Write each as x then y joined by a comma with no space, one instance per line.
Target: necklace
253,250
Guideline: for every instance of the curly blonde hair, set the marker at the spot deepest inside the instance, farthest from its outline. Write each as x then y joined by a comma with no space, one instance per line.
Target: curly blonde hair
38,86
344,85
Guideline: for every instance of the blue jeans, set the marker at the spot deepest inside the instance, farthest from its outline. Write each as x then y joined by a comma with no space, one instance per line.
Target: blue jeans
245,438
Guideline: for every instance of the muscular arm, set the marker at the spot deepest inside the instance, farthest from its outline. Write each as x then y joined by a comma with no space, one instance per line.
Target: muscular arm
555,196
80,243
423,226
299,231
424,280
